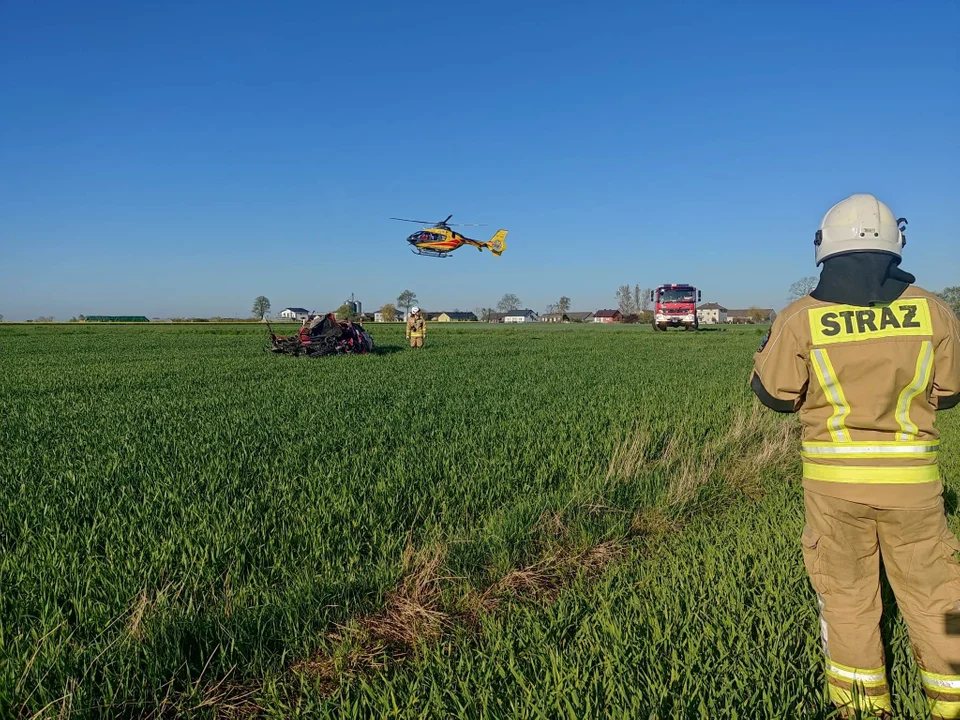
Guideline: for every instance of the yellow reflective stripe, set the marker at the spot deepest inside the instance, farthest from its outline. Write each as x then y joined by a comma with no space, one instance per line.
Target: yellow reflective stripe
831,388
873,703
862,474
921,377
940,682
946,709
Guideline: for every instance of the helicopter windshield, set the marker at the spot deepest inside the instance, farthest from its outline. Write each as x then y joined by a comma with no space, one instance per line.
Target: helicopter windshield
674,296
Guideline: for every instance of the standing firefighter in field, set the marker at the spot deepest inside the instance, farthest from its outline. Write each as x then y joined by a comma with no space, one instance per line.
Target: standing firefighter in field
866,359
416,327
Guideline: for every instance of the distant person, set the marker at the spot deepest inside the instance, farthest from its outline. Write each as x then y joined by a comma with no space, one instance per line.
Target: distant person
866,359
416,327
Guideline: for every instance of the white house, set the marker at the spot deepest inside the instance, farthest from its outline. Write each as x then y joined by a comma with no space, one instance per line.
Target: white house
294,313
711,314
520,316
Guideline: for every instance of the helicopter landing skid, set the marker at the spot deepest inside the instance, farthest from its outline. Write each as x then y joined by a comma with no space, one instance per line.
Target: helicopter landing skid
428,253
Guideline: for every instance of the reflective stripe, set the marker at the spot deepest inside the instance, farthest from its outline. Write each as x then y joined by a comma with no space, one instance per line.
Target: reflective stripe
861,474
873,703
831,388
944,709
940,682
870,443
921,378
896,449
872,677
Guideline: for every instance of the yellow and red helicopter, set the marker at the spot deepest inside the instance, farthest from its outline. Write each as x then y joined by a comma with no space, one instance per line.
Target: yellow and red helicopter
438,240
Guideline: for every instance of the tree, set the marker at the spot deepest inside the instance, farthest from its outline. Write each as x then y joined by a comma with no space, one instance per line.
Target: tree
485,313
756,315
1,318
802,288
261,307
642,299
508,302
950,295
345,312
563,304
550,309
625,300
388,312
82,318
406,300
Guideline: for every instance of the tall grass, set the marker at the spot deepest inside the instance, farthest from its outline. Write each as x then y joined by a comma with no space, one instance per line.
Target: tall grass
191,527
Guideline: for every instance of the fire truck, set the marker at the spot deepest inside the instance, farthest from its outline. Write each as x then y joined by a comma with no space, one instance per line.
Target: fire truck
675,306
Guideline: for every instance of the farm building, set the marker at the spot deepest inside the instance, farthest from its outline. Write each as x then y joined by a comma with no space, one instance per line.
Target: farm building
555,318
495,317
750,316
711,314
294,313
580,316
456,316
607,316
520,316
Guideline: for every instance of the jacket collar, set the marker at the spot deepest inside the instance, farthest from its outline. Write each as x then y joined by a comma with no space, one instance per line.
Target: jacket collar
862,279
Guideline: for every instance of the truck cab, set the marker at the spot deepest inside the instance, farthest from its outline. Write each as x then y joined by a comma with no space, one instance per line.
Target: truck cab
675,305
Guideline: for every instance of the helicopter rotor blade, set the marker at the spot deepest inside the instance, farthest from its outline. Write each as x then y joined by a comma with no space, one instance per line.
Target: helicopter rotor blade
444,221
421,222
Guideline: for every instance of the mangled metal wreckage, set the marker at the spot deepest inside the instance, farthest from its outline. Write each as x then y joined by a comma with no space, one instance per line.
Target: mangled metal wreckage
323,335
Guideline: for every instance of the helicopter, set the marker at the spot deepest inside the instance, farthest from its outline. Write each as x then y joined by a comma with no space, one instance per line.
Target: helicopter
438,240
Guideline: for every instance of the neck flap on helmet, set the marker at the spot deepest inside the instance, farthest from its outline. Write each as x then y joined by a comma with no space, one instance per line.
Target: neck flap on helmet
862,279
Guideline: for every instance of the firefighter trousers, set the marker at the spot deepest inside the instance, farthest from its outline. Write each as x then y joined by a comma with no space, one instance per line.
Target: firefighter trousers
843,543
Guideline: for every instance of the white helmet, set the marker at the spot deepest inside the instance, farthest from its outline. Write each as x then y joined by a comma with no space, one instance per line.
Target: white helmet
414,310
861,223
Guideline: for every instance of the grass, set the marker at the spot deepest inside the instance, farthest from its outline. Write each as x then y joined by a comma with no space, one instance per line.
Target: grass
524,522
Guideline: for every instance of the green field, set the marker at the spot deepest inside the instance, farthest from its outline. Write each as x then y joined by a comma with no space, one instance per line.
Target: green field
531,522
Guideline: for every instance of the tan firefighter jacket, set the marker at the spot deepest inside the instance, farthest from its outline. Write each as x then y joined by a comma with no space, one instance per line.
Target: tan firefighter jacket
866,382
416,326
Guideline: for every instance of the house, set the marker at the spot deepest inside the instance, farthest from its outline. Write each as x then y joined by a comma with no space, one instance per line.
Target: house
294,313
367,317
496,317
751,316
711,314
580,316
555,318
520,316
607,316
456,316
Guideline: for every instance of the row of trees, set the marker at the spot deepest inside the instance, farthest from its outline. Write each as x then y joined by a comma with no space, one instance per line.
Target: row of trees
633,301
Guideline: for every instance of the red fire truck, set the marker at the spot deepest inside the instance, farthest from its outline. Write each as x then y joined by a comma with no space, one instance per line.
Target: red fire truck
675,306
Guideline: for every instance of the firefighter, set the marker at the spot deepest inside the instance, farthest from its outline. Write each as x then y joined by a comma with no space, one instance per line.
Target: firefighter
416,327
866,359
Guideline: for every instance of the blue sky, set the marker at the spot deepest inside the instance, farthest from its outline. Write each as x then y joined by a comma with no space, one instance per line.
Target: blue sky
181,158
